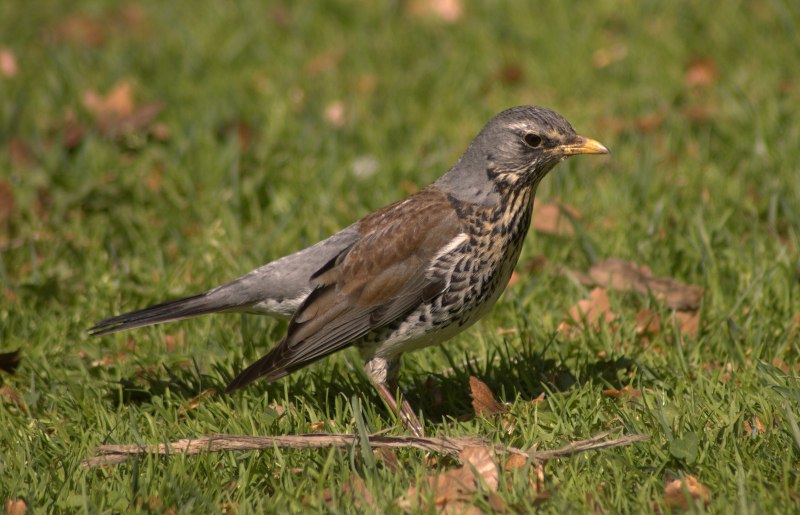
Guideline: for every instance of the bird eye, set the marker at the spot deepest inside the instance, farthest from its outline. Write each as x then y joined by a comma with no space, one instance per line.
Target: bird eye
532,140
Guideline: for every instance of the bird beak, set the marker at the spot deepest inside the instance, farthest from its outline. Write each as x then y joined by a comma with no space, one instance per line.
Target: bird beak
581,145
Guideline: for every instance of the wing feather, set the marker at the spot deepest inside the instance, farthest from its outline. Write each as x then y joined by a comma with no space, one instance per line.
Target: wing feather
379,279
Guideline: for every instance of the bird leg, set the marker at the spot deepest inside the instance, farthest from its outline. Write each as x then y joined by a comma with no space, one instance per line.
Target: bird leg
404,410
383,373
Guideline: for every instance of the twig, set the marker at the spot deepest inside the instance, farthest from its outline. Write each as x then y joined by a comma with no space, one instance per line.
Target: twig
115,454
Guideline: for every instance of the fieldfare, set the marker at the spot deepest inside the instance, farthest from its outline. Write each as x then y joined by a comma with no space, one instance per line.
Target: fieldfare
407,276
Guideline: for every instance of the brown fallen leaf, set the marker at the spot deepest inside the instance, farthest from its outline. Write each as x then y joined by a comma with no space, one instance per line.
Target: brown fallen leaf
514,279
116,103
643,123
14,507
605,56
10,396
366,84
449,11
79,29
483,402
357,489
592,310
676,497
688,322
454,488
554,218
389,459
196,401
335,114
325,61
173,342
6,202
514,462
279,408
8,64
20,152
627,392
618,274
535,264
702,72
754,427
502,331
116,113
648,322
9,361
511,74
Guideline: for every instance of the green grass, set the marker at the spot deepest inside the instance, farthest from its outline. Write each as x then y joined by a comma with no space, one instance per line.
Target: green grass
711,199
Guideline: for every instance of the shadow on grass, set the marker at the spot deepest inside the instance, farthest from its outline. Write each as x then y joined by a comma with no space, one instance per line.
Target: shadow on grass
509,373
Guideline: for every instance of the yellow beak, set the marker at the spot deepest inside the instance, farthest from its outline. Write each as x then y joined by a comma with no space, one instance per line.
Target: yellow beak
581,145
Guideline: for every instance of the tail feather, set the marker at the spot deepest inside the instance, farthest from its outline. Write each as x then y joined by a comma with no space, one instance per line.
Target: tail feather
166,312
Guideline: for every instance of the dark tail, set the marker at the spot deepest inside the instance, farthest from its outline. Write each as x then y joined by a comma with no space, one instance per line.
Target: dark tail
166,312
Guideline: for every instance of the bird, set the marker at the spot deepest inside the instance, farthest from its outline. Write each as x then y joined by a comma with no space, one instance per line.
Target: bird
412,274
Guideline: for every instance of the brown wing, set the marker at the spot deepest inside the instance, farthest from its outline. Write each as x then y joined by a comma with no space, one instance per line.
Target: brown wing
380,278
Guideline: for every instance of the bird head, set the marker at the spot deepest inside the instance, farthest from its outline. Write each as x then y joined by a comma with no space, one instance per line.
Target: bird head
518,146
524,143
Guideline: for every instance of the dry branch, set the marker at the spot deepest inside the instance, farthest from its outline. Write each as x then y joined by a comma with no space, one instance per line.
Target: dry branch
115,454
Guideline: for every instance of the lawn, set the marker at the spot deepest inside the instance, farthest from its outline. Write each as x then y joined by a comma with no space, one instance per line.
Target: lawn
154,150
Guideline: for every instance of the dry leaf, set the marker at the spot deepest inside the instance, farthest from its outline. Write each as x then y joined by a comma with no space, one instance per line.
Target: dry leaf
173,342
535,264
324,62
279,409
701,73
754,427
196,400
647,322
514,279
481,459
511,74
618,274
109,359
117,103
6,201
14,507
627,392
9,361
449,11
335,113
674,494
502,331
20,152
358,491
688,322
515,461
651,121
592,310
644,123
603,57
454,488
8,63
483,402
554,218
79,29
116,113
389,458
366,83
72,131
699,113
10,396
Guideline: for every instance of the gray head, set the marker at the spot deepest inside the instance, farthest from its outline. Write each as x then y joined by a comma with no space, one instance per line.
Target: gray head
517,147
